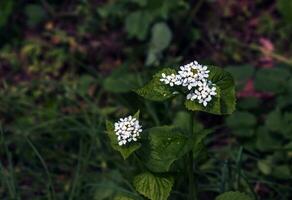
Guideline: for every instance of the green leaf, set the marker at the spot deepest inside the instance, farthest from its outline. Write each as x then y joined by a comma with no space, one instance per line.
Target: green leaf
284,100
276,78
154,187
287,129
241,120
266,141
274,120
155,90
233,196
279,122
183,119
126,150
161,37
137,24
166,144
224,102
264,166
160,40
282,172
120,83
105,191
198,134
199,147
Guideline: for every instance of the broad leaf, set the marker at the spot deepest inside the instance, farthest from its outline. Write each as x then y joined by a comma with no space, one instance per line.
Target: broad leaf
160,40
199,146
155,90
274,121
166,144
125,150
279,122
154,187
224,102
282,172
182,120
266,141
233,196
198,134
161,37
137,24
121,81
104,190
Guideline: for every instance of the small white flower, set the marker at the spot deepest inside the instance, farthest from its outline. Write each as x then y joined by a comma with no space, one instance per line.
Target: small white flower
192,73
127,129
194,77
203,93
171,80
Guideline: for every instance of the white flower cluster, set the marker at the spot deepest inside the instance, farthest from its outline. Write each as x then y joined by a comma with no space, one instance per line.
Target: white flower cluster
127,129
194,77
203,93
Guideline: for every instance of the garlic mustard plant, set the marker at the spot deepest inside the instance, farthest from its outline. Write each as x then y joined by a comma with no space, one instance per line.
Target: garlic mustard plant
158,150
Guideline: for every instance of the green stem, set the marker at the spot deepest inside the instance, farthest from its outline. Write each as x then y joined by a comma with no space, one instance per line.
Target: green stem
193,192
192,186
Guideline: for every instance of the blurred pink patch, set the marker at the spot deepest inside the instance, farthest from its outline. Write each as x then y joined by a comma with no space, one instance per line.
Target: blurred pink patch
249,91
266,44
267,47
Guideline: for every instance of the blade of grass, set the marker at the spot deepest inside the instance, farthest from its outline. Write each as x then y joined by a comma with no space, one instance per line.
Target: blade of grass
77,173
238,167
52,193
9,179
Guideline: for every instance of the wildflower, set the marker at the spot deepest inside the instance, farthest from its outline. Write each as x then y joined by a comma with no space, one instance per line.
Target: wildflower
170,79
127,129
194,77
203,93
193,73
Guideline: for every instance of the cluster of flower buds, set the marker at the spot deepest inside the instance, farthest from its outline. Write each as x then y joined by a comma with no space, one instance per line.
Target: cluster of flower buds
127,129
194,77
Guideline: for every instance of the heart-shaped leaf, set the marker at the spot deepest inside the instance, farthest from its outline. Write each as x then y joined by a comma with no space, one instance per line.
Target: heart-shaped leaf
166,144
155,90
154,187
